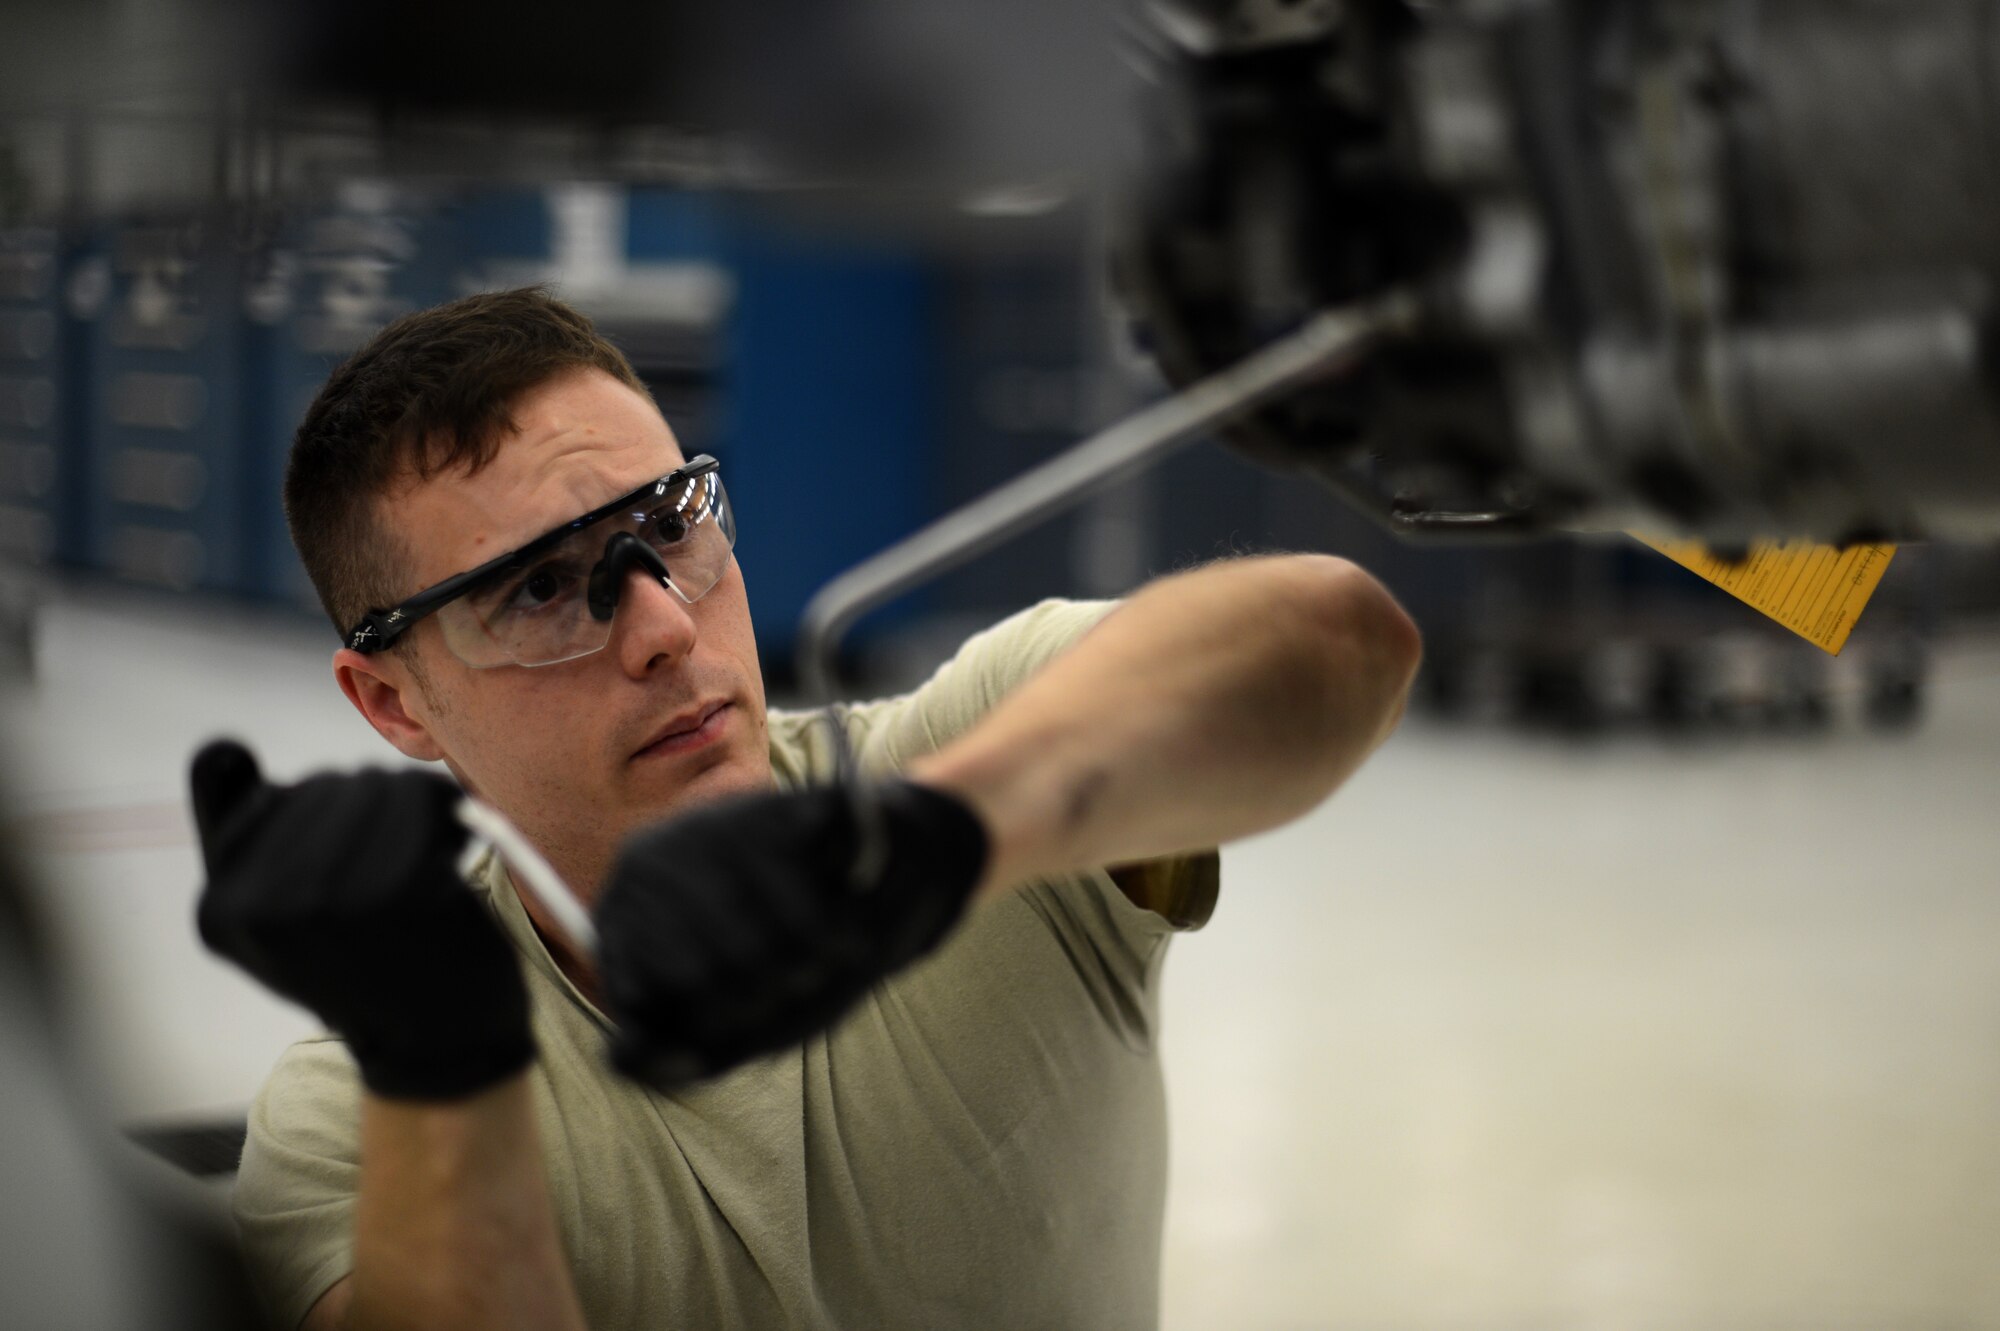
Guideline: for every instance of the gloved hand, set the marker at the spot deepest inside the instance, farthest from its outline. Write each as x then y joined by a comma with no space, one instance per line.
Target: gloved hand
745,927
342,893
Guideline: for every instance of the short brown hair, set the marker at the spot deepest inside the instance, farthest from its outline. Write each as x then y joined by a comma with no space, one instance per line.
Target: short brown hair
430,392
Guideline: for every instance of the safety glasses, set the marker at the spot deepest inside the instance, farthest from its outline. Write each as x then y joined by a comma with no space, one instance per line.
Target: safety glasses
552,599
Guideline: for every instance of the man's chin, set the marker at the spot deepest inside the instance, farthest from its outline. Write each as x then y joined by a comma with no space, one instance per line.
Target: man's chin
739,775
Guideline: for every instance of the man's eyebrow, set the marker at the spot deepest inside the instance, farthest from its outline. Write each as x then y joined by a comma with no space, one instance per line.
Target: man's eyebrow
596,511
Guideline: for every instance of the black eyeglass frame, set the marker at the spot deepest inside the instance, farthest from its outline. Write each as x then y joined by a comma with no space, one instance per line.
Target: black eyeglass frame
378,630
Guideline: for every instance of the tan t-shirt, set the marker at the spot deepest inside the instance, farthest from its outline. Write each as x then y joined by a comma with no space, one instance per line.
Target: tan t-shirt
981,1143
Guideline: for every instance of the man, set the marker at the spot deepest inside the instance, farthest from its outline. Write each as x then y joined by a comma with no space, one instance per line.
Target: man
974,1140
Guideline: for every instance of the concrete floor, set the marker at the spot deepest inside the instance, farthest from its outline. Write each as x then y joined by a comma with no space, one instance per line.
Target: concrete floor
1509,1034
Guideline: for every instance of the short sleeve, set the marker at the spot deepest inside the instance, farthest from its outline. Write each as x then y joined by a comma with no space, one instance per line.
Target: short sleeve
890,733
1150,900
294,1198
986,669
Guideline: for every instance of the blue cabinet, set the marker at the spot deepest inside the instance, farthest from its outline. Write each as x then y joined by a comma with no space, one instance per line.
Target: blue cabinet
801,358
165,488
327,284
38,474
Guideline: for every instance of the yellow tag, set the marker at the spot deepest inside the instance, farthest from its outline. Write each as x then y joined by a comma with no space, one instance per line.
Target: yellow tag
1816,591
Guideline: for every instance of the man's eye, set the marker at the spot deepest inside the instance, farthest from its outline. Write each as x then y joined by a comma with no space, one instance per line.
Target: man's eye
670,526
540,587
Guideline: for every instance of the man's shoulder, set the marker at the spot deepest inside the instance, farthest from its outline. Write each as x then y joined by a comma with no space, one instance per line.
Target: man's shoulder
324,1054
889,732
1028,639
314,1087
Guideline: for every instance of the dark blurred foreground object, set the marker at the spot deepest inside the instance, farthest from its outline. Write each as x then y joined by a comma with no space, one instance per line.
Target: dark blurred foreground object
743,928
1690,268
893,92
96,1238
928,94
1726,270
342,893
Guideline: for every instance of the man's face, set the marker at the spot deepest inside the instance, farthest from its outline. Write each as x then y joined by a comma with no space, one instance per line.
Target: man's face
669,714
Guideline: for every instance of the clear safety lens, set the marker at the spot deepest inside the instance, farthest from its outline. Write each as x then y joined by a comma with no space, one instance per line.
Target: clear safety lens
539,613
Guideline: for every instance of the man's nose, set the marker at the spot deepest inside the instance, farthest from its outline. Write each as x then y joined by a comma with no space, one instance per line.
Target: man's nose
651,626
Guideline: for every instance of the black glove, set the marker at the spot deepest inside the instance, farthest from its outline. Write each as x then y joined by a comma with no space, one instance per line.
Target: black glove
745,927
342,893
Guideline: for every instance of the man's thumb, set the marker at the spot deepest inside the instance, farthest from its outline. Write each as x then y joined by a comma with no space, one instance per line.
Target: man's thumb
222,777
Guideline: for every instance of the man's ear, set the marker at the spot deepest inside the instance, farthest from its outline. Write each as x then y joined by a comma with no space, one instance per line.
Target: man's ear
382,690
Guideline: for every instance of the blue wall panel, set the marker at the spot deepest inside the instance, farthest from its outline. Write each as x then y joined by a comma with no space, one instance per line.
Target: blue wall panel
333,280
824,396
669,226
166,490
195,358
37,472
828,419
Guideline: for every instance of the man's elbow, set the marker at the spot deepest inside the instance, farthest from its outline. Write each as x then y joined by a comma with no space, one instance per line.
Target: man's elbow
1361,616
1358,623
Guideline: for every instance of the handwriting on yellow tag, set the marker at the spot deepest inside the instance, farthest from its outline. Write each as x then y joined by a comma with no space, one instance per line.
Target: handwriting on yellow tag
1816,591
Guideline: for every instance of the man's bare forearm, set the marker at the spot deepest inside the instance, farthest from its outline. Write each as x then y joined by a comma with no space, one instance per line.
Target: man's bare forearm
453,1224
1210,706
